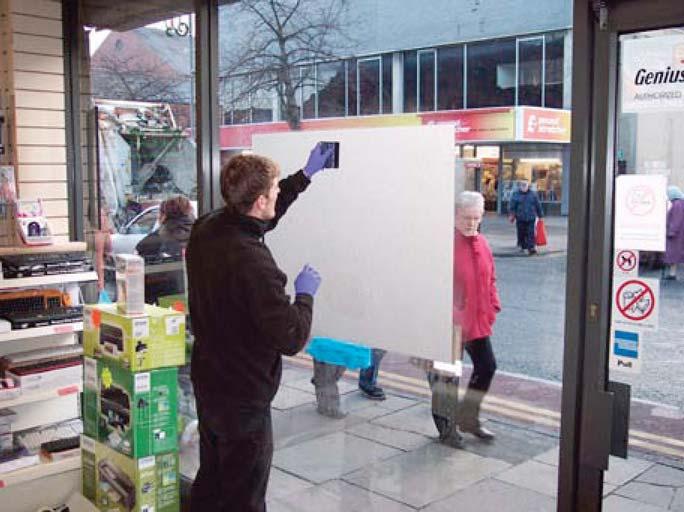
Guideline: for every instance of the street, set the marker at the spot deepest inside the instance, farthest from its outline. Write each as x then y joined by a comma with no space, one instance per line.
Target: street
528,337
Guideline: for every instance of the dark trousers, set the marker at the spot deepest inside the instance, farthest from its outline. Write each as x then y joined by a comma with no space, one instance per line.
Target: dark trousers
235,462
525,230
484,363
368,377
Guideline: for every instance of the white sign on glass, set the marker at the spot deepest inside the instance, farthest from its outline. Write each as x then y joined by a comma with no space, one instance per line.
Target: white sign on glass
653,74
640,212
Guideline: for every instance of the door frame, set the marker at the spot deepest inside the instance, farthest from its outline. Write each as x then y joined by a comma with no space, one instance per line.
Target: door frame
587,405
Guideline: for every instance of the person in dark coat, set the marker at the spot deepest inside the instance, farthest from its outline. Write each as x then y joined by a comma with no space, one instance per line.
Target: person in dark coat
524,208
176,219
243,322
674,245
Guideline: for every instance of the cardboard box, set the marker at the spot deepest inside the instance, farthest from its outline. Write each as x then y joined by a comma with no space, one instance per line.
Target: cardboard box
133,413
117,483
137,342
130,284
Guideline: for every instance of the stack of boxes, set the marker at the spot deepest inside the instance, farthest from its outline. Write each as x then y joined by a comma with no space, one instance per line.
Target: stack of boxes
130,407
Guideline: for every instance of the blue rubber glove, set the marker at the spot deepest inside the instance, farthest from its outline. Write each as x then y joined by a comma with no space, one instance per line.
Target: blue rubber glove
317,160
307,281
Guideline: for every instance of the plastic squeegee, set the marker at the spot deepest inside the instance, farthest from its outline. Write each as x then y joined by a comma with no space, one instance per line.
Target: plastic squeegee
343,353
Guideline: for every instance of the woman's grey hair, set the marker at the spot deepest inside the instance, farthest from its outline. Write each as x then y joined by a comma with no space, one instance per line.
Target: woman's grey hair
470,199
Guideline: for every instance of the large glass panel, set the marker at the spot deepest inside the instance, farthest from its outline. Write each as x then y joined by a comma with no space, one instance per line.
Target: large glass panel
369,85
647,293
308,88
450,77
530,72
331,89
554,70
426,80
491,73
387,83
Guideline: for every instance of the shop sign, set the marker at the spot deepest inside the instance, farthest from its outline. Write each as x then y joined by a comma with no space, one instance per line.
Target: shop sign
483,124
636,303
653,74
626,350
640,212
543,124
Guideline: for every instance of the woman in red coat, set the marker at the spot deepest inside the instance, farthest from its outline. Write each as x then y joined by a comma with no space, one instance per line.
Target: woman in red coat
476,303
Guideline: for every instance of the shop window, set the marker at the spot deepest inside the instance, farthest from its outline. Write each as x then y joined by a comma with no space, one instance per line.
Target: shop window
308,91
351,88
410,82
331,81
554,72
530,72
491,73
450,78
426,80
369,86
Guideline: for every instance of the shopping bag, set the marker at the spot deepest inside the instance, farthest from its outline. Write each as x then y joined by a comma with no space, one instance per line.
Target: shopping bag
540,235
342,353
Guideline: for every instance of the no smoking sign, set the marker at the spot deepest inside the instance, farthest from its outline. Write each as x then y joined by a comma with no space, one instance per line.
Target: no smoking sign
635,303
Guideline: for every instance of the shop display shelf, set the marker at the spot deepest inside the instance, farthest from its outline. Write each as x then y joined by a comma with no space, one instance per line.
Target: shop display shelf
41,470
37,332
28,282
40,396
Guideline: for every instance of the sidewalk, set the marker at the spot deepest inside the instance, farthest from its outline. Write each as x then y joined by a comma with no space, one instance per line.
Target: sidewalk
384,457
500,233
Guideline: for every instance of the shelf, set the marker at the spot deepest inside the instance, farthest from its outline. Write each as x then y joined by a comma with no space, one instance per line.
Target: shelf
40,470
27,282
37,332
39,396
27,249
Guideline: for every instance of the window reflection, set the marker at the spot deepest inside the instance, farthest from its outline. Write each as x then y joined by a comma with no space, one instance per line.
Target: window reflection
491,73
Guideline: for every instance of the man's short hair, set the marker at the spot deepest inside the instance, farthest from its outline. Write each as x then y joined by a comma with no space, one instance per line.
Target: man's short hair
176,207
244,178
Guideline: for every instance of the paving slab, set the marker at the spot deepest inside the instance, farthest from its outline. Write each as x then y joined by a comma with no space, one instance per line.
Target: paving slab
416,419
287,398
677,504
304,384
428,474
620,471
663,475
399,439
657,495
495,496
336,496
303,423
331,456
292,374
614,503
514,445
281,484
533,475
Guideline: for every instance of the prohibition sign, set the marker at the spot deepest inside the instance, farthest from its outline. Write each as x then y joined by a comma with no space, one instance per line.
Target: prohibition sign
626,260
635,300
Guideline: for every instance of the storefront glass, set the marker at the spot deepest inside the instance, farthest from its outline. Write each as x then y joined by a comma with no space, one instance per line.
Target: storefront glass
541,167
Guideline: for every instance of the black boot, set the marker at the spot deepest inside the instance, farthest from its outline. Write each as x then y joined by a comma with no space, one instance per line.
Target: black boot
444,408
469,415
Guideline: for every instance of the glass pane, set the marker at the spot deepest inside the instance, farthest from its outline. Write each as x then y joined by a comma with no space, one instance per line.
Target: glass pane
555,70
387,84
331,89
369,87
530,71
450,77
426,81
647,291
491,74
410,83
308,92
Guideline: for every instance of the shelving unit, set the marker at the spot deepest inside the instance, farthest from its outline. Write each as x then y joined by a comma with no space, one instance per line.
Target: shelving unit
46,406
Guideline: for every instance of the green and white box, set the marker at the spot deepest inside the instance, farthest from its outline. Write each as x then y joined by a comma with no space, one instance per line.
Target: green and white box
137,342
117,483
133,413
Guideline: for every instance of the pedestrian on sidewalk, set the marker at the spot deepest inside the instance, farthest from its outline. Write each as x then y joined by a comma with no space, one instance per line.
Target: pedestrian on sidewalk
674,245
476,304
524,208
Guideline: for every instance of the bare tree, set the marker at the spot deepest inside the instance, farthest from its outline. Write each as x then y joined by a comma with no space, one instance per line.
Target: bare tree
278,51
135,79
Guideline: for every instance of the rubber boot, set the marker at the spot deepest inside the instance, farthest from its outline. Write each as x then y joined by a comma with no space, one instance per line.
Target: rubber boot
327,393
469,415
445,408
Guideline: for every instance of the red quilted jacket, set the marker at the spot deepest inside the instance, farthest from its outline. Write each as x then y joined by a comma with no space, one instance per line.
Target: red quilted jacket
476,301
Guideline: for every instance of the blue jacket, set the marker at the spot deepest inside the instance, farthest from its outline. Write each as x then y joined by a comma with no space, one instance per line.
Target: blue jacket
525,206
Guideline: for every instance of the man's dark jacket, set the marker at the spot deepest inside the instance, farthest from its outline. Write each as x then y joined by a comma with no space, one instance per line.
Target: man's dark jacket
241,316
